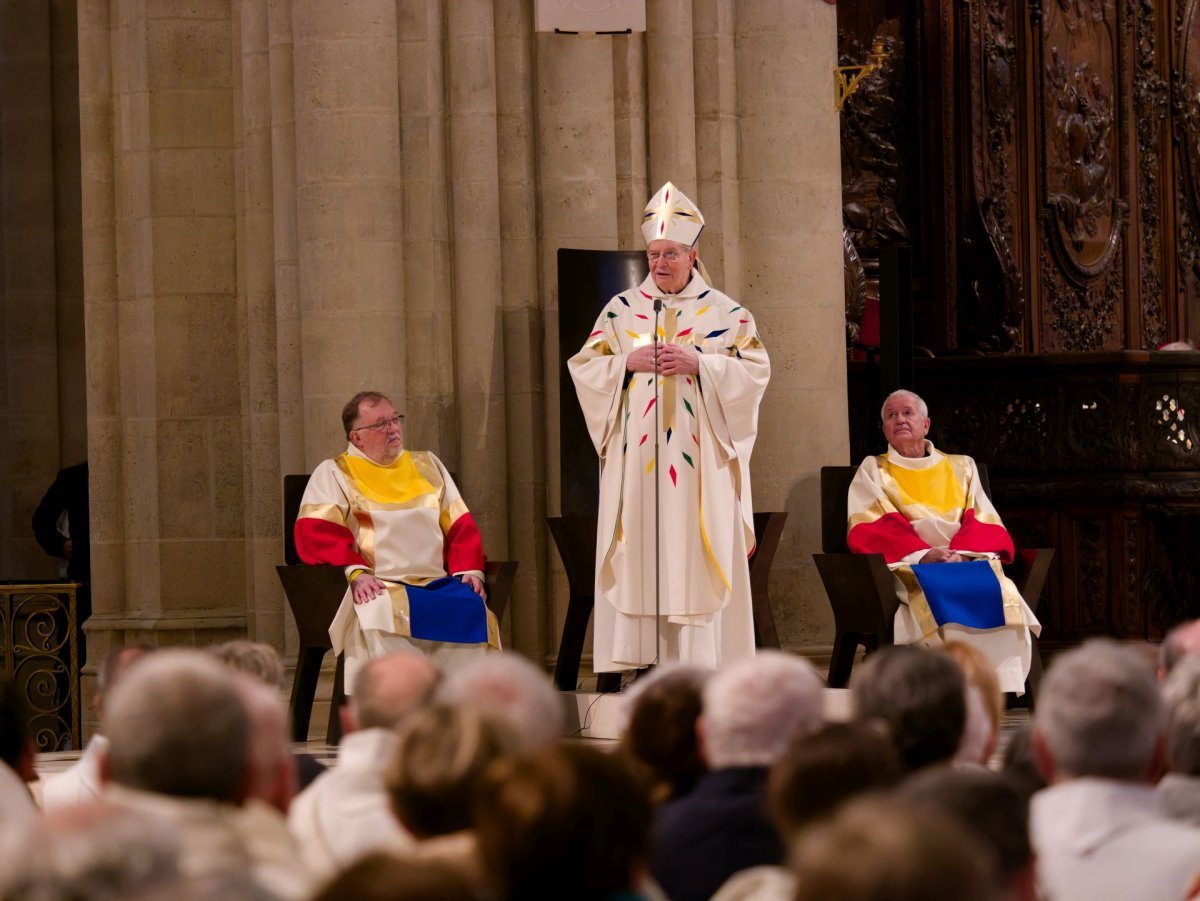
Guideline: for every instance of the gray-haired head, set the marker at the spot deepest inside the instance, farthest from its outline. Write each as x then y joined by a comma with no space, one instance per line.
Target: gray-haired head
920,695
922,407
388,687
255,659
177,726
510,689
1099,712
755,707
1180,642
95,851
1181,694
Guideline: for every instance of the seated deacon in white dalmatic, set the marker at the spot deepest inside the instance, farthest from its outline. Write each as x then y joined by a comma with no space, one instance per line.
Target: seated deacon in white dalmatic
700,417
394,519
927,514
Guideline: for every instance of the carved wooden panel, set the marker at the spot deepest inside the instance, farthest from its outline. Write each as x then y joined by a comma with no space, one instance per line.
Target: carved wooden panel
1082,124
991,302
1186,110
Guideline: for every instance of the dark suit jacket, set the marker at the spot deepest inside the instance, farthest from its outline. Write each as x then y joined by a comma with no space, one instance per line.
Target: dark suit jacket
718,828
68,492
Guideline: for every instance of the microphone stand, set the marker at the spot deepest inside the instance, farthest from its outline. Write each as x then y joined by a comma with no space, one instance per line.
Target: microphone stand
657,479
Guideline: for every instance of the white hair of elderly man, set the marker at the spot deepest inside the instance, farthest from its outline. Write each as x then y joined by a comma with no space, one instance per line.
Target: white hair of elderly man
755,707
1100,712
512,690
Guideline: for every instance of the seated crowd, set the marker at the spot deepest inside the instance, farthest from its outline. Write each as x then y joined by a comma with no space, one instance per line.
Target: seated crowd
729,784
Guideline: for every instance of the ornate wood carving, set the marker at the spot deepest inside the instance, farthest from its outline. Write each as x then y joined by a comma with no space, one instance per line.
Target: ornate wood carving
1150,99
871,162
856,288
1081,126
992,299
1186,109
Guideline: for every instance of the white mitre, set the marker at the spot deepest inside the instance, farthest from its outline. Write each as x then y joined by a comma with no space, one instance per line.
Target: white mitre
671,216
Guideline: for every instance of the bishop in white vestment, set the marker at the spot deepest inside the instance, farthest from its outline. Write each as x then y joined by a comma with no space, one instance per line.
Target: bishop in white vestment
702,407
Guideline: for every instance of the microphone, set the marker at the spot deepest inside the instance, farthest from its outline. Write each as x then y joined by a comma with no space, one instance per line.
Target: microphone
657,524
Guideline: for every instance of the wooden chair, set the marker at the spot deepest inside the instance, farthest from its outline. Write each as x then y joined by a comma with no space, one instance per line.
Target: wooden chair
314,594
862,590
575,537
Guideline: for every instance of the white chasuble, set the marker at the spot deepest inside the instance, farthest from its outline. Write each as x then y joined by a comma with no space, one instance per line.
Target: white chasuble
705,428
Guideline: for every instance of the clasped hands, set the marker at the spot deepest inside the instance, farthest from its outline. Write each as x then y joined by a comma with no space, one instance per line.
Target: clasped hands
942,555
673,359
367,586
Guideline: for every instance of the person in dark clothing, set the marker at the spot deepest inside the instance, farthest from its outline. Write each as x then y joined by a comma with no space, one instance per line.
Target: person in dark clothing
752,710
68,494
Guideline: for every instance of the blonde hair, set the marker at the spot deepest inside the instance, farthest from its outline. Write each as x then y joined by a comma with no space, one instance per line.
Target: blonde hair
980,673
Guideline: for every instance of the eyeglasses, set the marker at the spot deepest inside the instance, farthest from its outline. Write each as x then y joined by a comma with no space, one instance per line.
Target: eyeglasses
382,425
671,256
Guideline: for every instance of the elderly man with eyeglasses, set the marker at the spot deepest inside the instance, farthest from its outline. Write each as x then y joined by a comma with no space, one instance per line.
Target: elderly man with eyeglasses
712,370
394,519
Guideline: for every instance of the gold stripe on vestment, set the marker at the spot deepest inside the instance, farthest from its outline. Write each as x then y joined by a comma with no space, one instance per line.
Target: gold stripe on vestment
324,512
452,514
914,595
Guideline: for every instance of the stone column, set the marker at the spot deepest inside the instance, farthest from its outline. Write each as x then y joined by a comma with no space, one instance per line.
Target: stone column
790,213
478,272
256,288
165,440
348,210
717,142
629,95
290,383
428,284
29,393
670,76
524,375
578,203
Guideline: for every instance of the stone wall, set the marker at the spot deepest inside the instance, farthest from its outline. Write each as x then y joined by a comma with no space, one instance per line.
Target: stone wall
43,418
286,201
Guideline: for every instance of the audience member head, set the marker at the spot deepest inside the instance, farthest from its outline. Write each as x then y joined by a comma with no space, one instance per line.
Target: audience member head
508,687
272,769
660,736
16,744
1181,641
177,726
439,765
876,849
95,851
565,821
920,695
755,707
984,700
1020,763
990,806
1100,714
1182,696
385,877
821,771
113,667
255,659
387,688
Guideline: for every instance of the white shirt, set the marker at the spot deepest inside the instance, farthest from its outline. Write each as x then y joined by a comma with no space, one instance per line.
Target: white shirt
346,813
1099,839
79,783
